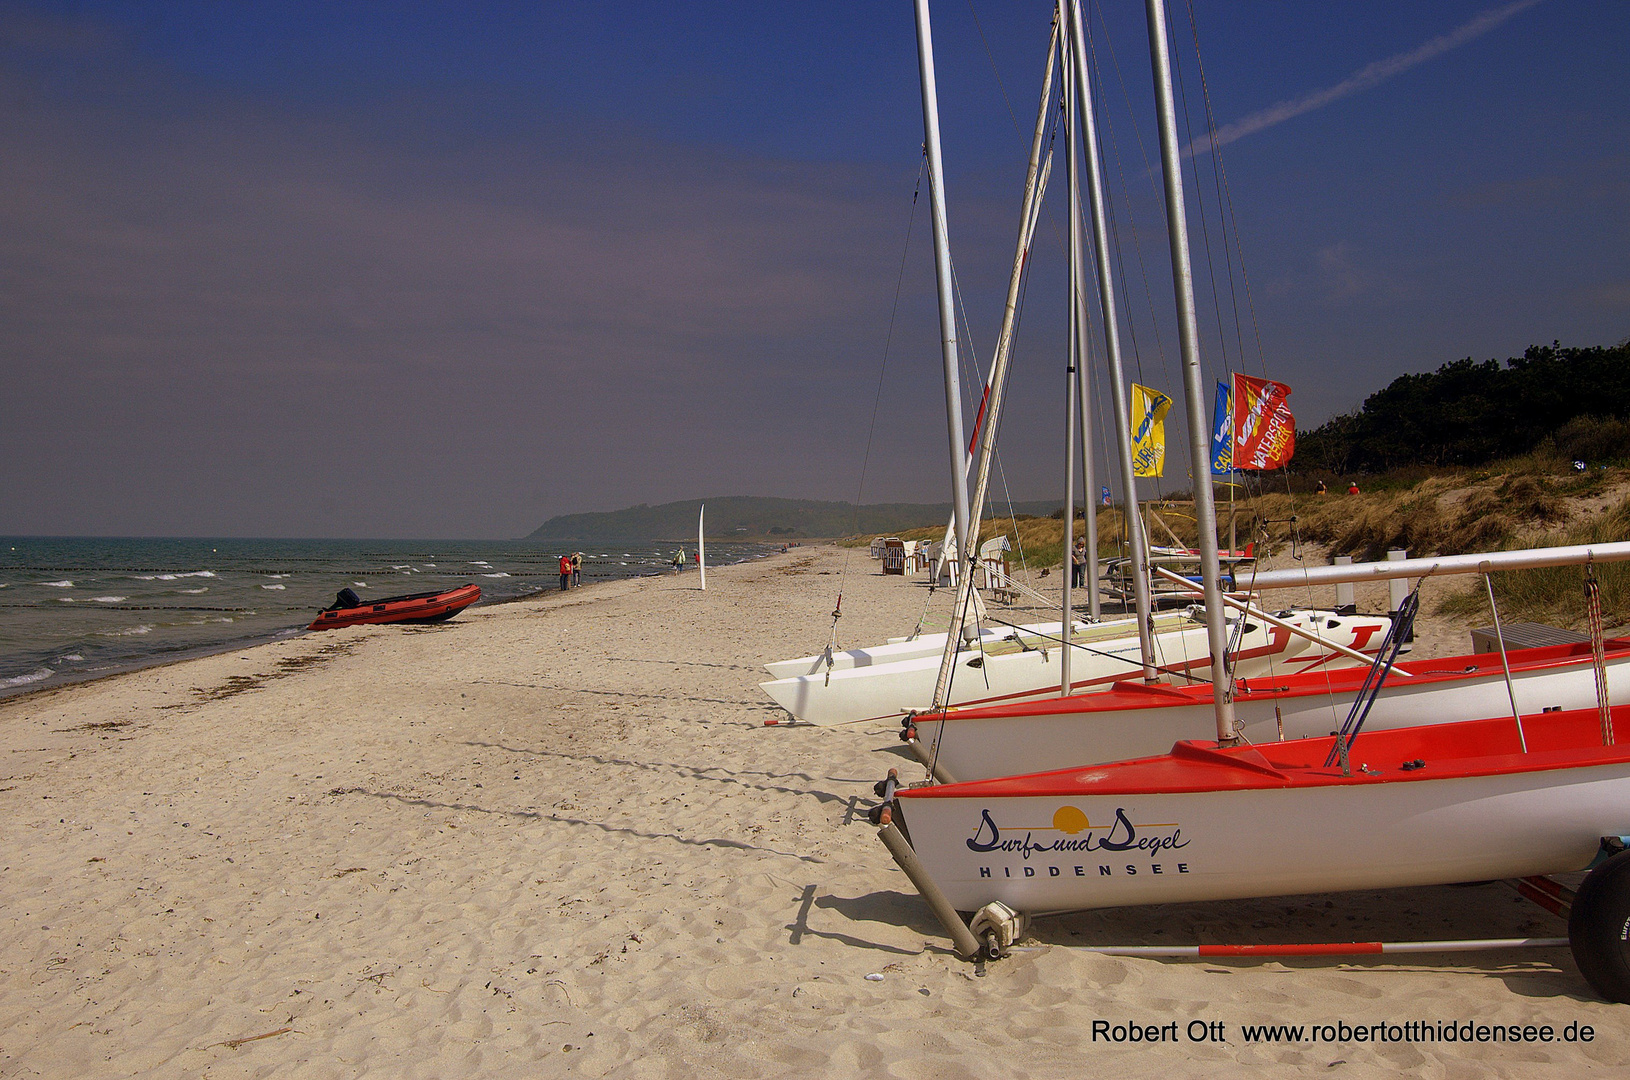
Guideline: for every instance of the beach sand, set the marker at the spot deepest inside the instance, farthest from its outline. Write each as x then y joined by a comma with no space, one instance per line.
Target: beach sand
555,837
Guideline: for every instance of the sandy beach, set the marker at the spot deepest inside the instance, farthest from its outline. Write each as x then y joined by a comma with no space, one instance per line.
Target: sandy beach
556,837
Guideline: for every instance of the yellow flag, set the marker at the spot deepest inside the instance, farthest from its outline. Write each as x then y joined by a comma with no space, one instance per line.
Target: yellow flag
1149,409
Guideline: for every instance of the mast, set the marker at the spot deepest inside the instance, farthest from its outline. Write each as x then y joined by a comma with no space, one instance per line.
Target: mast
1071,365
942,268
1078,342
1481,563
1035,179
1089,465
1112,347
1194,400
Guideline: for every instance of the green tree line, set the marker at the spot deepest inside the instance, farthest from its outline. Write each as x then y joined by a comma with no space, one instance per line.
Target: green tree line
1574,401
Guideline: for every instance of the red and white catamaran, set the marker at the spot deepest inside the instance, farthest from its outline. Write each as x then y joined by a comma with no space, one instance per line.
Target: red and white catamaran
1469,798
1133,720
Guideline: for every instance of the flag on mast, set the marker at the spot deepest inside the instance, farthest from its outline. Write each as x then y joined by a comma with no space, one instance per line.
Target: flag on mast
1264,429
1222,432
1149,408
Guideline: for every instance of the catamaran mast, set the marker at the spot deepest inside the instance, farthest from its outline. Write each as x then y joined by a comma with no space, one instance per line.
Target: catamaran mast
942,268
1078,345
1035,180
1071,365
1112,347
1437,565
1188,338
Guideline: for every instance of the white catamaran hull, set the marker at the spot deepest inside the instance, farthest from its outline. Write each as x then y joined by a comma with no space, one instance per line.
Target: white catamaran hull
899,649
1058,854
985,747
1020,671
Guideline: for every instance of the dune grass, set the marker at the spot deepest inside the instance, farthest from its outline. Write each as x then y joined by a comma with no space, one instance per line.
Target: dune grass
1555,594
1534,501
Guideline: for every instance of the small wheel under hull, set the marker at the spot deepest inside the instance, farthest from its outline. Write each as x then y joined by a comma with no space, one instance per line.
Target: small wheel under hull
1599,929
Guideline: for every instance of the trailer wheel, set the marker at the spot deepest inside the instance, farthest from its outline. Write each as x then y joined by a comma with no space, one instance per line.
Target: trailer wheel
1599,929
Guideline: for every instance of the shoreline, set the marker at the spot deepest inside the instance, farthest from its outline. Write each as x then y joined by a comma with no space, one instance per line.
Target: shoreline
554,837
55,679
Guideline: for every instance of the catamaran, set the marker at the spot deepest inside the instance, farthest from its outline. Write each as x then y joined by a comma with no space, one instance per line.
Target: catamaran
1133,719
1477,797
1429,805
1020,664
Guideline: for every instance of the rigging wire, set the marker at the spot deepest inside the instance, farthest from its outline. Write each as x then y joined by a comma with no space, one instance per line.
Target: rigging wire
877,399
1226,199
1230,223
1113,219
1154,194
1205,228
1227,195
994,70
1233,247
1216,178
959,618
1007,492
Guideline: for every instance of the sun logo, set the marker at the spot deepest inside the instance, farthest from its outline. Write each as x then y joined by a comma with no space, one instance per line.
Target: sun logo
1070,820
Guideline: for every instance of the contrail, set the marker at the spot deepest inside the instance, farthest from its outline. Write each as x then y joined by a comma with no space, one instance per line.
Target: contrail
1362,79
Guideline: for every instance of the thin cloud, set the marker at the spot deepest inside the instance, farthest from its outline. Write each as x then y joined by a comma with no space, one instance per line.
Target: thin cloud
1363,79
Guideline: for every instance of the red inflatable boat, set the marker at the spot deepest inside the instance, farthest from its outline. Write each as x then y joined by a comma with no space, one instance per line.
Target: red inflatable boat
350,610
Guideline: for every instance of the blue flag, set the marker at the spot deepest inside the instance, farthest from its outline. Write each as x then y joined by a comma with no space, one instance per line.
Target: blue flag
1222,432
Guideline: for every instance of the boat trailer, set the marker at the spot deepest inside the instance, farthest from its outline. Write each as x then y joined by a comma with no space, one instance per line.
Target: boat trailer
1596,915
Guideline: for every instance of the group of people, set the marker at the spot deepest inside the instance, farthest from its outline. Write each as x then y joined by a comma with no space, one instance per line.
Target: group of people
571,570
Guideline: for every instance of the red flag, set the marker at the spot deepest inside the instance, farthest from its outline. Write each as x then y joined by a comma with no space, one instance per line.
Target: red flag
1264,429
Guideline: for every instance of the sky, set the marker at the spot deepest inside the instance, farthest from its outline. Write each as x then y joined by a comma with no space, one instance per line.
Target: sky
445,270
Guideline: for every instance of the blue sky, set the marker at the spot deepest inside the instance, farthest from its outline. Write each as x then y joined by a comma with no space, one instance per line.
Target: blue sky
444,270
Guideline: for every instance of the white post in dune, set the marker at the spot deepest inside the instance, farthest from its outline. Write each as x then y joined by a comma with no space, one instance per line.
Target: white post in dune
701,551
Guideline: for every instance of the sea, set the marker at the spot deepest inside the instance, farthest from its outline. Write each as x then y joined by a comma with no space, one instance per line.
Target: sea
75,608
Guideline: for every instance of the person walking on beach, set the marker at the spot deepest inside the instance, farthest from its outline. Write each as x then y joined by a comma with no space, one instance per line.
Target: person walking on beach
1078,564
565,572
577,569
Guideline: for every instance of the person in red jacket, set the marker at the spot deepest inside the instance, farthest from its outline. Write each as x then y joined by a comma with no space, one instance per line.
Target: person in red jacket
565,572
